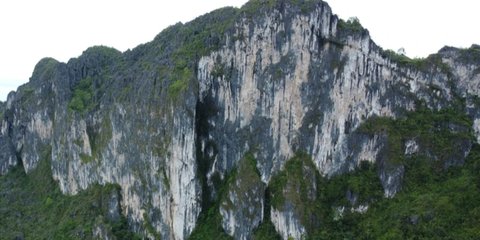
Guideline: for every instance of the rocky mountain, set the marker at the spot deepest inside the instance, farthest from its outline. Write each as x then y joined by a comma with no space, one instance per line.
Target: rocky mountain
277,118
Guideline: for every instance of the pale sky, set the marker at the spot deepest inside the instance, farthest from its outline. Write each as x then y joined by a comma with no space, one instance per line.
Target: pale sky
62,29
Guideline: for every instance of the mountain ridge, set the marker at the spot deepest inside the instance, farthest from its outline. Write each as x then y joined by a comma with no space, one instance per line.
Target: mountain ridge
274,82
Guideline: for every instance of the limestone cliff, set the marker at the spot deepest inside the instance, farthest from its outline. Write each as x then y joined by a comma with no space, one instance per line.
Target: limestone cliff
170,119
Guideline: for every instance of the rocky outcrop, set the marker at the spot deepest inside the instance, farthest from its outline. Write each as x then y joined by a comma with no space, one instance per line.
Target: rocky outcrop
299,82
294,192
149,152
243,206
463,64
26,128
304,82
167,119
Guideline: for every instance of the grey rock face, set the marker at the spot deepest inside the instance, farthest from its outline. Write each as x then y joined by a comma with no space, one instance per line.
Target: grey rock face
243,206
391,178
2,108
290,213
287,223
307,92
26,128
299,82
277,82
149,151
101,231
7,150
114,210
411,147
464,65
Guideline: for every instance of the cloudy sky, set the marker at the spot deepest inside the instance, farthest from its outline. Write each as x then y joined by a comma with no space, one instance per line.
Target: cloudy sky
32,29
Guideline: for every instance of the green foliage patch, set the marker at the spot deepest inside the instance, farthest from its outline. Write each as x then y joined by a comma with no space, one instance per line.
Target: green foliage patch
350,26
435,202
209,225
180,83
33,207
82,100
294,175
470,55
432,196
104,52
404,60
432,62
195,39
431,129
254,7
315,199
242,180
3,106
266,231
432,205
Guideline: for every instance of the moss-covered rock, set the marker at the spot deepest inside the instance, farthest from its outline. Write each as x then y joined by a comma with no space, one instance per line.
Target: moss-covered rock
32,206
243,201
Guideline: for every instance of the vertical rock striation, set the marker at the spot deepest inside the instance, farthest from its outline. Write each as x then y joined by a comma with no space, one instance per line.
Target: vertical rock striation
243,206
289,81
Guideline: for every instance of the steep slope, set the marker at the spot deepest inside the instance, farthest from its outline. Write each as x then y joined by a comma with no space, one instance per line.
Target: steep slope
32,207
2,108
212,113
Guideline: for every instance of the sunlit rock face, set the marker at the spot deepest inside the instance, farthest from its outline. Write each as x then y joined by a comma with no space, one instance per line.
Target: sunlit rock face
286,79
292,82
289,81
